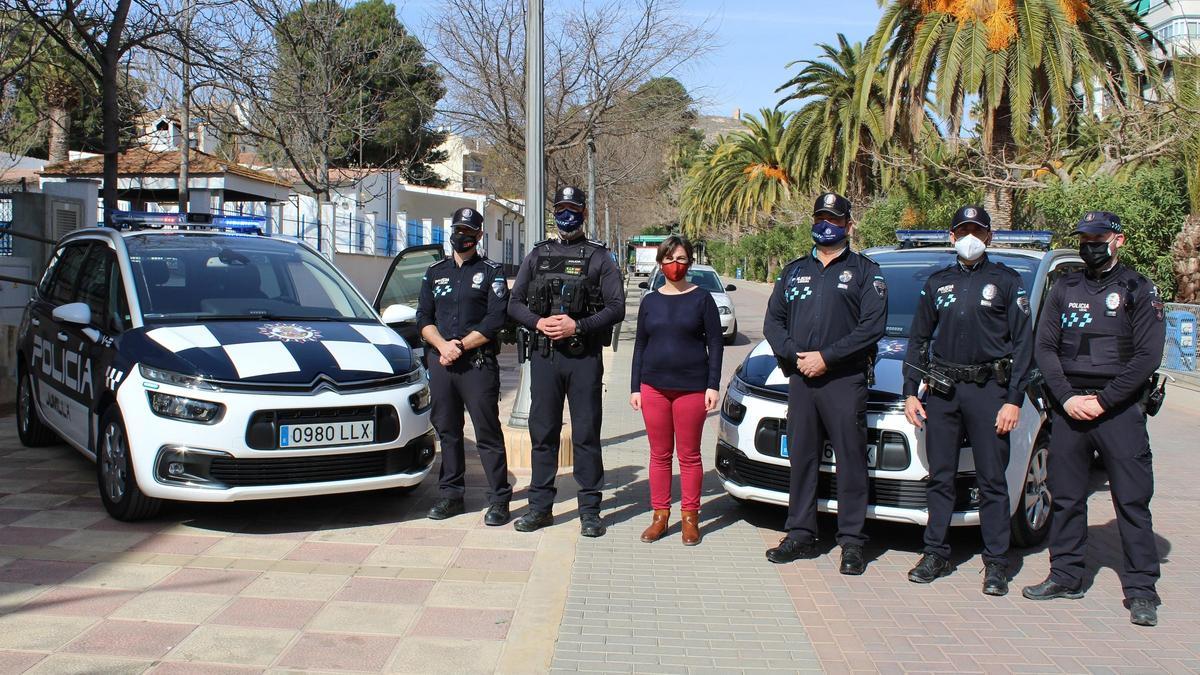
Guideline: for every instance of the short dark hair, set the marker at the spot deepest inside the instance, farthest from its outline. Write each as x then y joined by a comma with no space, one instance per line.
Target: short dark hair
670,244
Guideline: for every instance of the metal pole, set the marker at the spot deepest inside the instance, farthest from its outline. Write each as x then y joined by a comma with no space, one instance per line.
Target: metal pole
591,200
535,191
185,118
608,229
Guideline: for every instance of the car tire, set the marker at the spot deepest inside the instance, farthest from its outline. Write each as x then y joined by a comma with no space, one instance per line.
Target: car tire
33,432
119,490
1031,522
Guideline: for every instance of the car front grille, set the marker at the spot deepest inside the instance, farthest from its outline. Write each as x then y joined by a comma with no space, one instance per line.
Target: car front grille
906,494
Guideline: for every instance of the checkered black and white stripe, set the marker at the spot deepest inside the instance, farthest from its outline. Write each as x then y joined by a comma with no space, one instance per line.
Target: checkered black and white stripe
252,349
112,378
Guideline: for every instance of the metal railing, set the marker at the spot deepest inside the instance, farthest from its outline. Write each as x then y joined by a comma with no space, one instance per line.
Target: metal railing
350,235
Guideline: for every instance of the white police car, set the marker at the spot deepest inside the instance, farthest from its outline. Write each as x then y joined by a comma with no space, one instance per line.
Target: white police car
752,447
199,363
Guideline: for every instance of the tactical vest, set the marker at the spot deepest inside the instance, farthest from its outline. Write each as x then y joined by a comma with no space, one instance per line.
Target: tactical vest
560,285
1097,327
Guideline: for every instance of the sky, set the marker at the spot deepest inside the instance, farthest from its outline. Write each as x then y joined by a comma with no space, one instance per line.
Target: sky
756,39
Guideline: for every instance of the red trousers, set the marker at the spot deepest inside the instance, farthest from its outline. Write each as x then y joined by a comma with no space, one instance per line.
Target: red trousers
674,421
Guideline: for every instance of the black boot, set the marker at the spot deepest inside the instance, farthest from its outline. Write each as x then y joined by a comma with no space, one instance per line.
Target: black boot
995,579
590,525
930,567
447,508
497,515
534,521
790,550
1143,612
853,562
1049,590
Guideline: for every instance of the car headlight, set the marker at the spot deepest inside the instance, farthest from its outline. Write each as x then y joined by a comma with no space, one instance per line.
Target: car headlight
724,311
184,408
173,378
420,401
732,410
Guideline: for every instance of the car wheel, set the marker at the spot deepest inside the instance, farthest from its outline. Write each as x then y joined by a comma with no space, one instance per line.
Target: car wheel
1031,522
33,432
119,491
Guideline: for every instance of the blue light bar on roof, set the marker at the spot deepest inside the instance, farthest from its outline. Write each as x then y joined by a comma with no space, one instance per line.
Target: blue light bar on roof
1039,238
242,224
195,221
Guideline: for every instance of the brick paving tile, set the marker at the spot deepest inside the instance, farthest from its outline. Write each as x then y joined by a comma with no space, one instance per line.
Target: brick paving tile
330,651
186,668
18,662
30,536
175,543
190,580
435,656
295,586
471,624
142,639
41,571
494,559
328,552
74,664
267,613
427,536
400,591
8,516
235,645
193,608
78,601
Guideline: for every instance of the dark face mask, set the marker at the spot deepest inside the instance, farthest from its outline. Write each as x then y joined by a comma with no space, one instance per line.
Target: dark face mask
1096,254
462,242
825,233
568,221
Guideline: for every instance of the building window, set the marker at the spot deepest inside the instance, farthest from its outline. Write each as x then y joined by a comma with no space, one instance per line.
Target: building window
415,237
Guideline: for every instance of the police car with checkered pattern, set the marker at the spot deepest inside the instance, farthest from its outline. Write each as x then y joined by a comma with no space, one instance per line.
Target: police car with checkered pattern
195,359
752,457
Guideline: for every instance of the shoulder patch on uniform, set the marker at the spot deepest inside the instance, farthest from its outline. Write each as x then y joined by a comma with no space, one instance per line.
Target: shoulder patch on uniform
597,243
543,242
490,263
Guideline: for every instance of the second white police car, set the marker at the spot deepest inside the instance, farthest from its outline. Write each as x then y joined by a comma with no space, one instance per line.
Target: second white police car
752,449
194,362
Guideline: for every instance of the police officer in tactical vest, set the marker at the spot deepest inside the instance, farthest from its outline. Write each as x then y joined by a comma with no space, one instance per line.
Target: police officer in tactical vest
981,354
462,307
568,295
1100,339
824,318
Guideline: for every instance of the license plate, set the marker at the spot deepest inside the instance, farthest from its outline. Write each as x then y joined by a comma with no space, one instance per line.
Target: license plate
828,456
322,434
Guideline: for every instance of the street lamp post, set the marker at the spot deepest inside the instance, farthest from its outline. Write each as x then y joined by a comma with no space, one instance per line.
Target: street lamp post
534,169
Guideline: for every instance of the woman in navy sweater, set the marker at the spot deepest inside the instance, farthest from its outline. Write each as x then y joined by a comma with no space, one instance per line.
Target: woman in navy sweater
676,382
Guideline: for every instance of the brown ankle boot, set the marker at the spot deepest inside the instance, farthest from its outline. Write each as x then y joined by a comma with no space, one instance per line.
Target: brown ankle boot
658,526
691,527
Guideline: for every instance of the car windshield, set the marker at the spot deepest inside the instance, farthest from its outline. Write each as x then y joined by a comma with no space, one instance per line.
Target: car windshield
706,279
907,271
206,277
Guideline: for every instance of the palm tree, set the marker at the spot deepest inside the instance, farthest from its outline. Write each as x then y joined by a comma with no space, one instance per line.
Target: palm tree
1029,63
833,139
742,178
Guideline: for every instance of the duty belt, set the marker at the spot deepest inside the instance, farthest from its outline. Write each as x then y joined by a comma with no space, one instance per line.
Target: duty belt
975,373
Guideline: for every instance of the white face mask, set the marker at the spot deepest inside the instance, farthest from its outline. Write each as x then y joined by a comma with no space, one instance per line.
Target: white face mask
969,247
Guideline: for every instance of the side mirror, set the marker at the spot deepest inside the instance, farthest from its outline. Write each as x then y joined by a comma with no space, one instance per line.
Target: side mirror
645,285
730,287
399,314
73,312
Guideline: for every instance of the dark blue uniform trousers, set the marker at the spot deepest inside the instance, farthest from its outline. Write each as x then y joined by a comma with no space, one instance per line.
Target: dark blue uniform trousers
577,379
477,389
1120,435
838,404
973,407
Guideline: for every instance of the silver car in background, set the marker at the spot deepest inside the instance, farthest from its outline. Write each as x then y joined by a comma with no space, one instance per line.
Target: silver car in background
706,278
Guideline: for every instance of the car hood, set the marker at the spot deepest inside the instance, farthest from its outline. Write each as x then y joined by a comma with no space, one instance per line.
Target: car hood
722,299
761,369
273,352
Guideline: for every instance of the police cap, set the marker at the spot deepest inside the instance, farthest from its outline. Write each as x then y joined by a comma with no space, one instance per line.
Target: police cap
1098,222
467,217
570,195
832,203
971,214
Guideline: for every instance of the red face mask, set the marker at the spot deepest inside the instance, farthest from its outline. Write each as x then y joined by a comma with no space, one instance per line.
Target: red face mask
675,271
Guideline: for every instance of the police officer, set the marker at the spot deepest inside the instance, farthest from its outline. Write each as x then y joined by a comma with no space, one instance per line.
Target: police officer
569,295
981,355
1099,341
461,309
824,318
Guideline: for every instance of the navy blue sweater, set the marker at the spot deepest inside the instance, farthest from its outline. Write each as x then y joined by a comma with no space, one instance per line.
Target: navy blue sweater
679,343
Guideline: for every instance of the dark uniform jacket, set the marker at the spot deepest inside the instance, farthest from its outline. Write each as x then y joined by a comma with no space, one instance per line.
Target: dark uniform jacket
601,270
1102,332
460,300
839,310
981,314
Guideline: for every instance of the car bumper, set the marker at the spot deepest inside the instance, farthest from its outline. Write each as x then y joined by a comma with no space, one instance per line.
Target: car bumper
219,464
728,324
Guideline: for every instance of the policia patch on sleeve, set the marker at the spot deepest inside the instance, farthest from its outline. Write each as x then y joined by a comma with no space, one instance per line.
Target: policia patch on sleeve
1156,302
880,286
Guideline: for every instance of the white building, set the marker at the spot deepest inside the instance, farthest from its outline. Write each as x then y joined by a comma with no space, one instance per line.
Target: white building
1176,25
463,168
